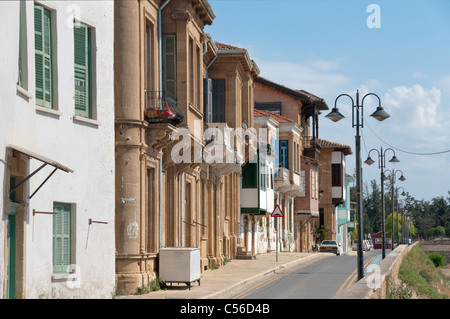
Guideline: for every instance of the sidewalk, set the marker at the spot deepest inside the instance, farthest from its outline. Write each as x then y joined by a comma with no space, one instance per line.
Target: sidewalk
214,284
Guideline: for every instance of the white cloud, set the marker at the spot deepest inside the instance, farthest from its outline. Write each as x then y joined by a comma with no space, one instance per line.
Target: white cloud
315,76
418,122
444,85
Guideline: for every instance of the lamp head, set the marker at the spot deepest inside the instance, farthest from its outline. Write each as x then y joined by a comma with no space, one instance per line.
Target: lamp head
394,159
335,115
380,114
369,161
402,178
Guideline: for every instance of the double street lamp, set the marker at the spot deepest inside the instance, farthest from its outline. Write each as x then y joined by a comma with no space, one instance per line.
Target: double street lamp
357,121
382,165
402,179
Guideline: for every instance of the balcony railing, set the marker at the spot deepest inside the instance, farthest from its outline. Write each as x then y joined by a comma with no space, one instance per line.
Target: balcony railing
311,142
161,109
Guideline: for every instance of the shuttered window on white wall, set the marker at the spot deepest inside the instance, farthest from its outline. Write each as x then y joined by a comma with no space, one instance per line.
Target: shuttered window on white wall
82,64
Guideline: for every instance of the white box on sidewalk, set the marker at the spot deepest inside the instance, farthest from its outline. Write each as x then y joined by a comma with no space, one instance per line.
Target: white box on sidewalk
180,265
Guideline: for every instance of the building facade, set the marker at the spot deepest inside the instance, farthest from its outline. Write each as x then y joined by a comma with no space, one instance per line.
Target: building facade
334,184
57,150
180,104
302,149
344,218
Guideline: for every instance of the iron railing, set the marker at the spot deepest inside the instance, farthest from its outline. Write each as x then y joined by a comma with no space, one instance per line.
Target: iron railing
160,108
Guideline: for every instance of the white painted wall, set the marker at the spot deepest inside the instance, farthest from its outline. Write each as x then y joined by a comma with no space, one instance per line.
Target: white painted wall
86,148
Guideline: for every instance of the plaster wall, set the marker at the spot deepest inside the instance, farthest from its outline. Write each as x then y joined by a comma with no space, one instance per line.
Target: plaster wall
84,145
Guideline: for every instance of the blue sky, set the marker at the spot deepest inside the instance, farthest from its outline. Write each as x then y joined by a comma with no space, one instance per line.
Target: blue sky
326,47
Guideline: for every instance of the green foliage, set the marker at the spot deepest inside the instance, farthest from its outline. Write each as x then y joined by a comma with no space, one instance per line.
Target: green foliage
142,290
426,215
436,232
321,231
418,272
397,291
154,285
437,259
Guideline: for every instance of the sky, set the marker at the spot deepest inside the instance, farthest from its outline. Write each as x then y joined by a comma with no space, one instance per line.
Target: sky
396,49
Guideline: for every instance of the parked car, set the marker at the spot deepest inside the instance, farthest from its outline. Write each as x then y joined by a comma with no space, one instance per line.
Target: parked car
330,246
366,245
355,245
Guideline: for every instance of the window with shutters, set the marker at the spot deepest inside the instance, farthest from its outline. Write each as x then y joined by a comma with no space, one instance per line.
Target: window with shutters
169,65
250,175
43,56
149,64
61,238
82,62
262,176
207,100
218,100
284,159
336,175
191,72
22,78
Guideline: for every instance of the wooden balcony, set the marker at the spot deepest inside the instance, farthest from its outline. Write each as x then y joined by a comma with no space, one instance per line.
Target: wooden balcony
311,147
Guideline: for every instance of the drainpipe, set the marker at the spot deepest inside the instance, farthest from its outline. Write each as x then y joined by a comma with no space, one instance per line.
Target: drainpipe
181,209
206,70
160,88
204,52
160,196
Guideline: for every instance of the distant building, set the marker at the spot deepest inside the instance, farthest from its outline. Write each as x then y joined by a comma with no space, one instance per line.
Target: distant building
333,183
298,164
344,222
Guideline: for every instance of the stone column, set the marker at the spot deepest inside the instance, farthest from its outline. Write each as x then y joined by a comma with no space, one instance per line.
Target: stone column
128,114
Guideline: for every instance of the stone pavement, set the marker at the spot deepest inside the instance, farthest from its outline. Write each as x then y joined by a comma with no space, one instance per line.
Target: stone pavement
214,284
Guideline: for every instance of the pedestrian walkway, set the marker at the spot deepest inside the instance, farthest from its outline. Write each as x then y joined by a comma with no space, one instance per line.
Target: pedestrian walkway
218,282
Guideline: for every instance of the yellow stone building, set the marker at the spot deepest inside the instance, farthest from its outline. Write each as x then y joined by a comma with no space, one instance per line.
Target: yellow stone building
173,83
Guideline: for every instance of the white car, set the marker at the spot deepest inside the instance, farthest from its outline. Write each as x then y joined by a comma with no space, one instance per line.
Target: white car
366,245
330,246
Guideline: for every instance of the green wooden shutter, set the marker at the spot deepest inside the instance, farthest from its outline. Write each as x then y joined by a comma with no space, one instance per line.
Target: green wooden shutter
20,75
61,237
43,56
82,70
169,66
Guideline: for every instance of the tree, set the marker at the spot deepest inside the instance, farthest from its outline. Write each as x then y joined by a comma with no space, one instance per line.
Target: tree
388,225
426,215
437,231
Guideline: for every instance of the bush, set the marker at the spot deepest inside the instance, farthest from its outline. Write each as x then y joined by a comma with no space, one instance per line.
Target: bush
437,259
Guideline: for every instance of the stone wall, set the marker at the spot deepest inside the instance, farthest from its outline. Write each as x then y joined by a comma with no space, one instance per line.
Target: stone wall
373,285
441,247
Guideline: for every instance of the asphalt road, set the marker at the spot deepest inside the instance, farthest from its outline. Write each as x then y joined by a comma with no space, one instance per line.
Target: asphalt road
320,278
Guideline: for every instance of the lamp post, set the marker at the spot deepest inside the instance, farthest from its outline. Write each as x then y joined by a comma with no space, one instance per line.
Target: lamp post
381,165
357,121
399,210
404,225
401,178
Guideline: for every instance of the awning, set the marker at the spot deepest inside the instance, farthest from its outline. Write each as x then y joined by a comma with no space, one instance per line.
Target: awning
45,160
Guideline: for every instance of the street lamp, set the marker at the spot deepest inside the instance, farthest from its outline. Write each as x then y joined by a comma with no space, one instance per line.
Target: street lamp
402,179
381,165
399,208
357,111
